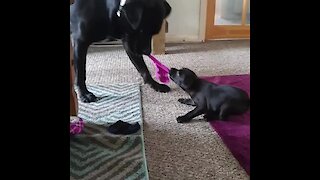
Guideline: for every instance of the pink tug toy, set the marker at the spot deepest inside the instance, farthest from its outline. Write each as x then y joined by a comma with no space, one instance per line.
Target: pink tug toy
162,71
76,127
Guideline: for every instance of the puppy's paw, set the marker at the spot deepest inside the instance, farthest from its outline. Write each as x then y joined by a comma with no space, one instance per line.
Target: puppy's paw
209,118
182,119
160,87
182,100
187,101
205,118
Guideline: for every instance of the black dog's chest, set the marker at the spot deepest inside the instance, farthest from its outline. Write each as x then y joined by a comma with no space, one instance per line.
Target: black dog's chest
103,29
197,100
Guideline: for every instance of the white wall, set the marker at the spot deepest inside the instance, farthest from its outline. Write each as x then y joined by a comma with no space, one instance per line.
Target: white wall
184,21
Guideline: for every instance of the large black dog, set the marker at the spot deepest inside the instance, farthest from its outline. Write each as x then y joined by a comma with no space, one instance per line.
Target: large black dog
132,21
215,101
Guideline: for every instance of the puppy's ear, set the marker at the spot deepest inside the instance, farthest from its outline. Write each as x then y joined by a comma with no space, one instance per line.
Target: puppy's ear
133,14
167,9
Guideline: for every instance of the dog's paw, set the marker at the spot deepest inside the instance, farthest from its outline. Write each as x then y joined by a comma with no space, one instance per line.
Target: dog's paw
209,118
187,101
182,119
160,87
88,97
182,100
205,118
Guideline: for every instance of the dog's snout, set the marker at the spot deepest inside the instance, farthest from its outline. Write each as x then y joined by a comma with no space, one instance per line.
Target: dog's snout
172,71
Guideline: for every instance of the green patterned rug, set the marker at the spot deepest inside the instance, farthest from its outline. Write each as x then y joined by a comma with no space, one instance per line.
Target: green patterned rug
119,102
97,154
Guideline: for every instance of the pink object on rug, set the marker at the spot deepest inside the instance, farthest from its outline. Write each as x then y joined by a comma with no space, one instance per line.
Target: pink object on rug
235,131
76,126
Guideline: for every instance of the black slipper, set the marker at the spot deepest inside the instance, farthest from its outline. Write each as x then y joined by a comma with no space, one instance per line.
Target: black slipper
121,127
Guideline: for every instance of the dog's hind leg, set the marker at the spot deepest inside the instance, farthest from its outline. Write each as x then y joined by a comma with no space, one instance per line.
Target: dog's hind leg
224,111
190,115
210,116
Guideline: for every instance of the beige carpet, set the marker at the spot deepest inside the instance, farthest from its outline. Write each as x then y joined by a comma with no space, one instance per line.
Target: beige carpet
177,151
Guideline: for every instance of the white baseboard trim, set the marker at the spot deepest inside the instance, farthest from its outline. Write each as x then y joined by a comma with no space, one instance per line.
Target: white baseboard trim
181,38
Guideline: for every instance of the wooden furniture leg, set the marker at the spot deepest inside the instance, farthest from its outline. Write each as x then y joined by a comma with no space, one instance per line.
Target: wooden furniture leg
158,41
73,96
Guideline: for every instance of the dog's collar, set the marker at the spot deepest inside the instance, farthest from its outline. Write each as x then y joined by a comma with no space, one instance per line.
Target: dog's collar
122,3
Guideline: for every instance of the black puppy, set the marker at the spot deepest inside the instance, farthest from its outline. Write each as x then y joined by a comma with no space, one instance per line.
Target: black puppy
212,100
132,21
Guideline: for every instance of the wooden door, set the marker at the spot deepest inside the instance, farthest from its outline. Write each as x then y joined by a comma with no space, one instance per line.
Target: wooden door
228,19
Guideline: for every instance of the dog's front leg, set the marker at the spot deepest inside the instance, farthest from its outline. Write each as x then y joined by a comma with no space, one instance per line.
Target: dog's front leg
80,53
189,101
195,112
138,62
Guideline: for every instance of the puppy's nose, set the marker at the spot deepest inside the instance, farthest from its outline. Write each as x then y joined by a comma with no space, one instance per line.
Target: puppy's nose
172,71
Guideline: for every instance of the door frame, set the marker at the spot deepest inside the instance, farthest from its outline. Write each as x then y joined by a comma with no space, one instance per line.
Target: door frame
223,31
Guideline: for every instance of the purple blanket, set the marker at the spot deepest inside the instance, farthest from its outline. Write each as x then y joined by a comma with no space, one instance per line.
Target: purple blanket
235,131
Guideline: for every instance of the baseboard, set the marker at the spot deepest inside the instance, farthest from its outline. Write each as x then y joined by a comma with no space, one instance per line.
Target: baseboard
108,42
227,39
181,38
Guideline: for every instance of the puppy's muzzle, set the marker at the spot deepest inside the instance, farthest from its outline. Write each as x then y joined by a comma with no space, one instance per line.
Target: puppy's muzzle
173,72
